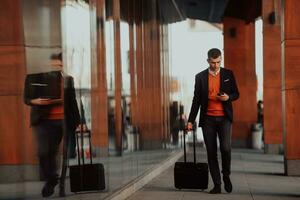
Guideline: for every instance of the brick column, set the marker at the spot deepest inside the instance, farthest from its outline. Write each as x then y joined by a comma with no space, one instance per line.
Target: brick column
272,76
291,85
14,119
98,79
239,56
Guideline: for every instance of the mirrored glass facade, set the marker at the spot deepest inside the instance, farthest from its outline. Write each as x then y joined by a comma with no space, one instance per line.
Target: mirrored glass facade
79,66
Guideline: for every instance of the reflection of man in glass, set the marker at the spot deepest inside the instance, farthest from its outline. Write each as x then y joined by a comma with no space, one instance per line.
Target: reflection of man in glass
51,96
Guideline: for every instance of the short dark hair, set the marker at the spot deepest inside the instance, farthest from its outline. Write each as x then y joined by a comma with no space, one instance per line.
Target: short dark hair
213,53
56,56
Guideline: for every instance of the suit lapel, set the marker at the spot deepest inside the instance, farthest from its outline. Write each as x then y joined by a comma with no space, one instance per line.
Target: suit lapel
205,82
221,79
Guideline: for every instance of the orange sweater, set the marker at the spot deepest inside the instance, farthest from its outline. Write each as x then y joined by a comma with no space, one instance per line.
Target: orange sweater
56,112
215,107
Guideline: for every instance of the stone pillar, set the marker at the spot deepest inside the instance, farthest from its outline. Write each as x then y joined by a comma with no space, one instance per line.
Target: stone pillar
150,88
239,56
30,33
16,137
98,79
291,85
272,76
118,77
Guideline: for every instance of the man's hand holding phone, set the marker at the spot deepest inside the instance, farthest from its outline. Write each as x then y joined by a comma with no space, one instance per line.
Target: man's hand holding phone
222,96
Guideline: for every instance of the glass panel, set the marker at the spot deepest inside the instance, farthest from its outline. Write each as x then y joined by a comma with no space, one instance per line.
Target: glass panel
77,52
110,76
65,26
128,162
23,176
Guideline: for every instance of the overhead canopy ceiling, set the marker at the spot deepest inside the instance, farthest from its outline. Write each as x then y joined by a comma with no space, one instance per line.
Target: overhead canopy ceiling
209,10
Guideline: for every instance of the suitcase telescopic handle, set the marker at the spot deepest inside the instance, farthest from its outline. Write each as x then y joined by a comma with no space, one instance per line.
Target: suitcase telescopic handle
81,146
77,144
194,144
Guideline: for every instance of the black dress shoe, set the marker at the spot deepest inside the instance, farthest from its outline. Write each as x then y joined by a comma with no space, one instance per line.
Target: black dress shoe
227,184
48,189
216,190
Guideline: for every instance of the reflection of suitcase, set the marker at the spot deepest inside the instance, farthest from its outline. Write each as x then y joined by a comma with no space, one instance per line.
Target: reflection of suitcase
190,175
44,85
86,177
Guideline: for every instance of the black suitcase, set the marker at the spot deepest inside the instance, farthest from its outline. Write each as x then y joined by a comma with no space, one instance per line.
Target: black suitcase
86,177
190,175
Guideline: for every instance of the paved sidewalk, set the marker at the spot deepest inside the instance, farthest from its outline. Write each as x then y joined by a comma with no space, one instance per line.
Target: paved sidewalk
255,176
120,171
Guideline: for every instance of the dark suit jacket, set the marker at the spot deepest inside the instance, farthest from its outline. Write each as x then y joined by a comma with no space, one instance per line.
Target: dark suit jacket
49,84
200,99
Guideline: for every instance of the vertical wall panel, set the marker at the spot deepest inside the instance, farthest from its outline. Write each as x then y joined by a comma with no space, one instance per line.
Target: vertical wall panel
98,78
118,76
292,91
165,79
291,85
14,150
42,36
239,55
11,23
272,77
140,114
151,103
132,67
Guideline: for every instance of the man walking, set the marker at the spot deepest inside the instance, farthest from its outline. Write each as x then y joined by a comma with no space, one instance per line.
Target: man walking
215,89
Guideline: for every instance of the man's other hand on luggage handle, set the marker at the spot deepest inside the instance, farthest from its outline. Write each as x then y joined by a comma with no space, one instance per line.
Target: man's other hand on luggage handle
189,126
82,128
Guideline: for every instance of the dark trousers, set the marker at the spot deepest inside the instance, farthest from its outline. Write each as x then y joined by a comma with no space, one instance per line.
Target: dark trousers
48,134
217,127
